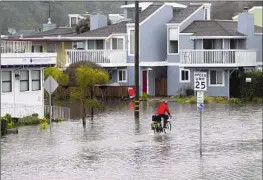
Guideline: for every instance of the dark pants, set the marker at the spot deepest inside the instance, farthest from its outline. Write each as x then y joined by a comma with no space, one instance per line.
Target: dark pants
165,117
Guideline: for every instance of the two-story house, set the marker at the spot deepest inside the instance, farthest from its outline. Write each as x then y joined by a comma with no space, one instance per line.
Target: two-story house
218,47
22,91
112,46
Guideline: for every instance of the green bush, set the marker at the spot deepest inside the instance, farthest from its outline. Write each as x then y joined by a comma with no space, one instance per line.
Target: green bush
29,120
44,125
10,125
57,120
4,124
235,101
257,100
253,89
221,100
145,96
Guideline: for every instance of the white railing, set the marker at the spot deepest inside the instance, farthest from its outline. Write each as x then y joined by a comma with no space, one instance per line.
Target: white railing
97,56
218,57
16,46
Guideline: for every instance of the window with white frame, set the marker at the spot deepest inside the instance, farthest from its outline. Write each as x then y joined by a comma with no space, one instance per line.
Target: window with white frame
24,80
131,41
73,21
51,48
95,44
117,43
216,78
173,40
206,15
184,75
122,75
6,81
36,80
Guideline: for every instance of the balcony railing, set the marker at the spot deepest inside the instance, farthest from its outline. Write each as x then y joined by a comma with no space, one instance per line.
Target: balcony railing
16,46
218,57
97,56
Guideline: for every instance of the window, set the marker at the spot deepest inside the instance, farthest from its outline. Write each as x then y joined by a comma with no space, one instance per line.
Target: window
184,75
7,81
216,78
132,41
95,44
51,48
36,80
173,47
37,48
24,81
206,14
73,21
117,43
122,75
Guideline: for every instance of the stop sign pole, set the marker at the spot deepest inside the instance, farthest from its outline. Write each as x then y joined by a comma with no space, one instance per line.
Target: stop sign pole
50,86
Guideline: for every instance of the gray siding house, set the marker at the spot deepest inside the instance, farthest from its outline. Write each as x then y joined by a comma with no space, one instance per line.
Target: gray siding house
175,40
218,47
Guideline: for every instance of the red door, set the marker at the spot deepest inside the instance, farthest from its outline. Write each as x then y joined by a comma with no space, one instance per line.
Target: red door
144,81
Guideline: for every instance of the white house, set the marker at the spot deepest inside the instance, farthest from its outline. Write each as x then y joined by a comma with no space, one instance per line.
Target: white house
22,91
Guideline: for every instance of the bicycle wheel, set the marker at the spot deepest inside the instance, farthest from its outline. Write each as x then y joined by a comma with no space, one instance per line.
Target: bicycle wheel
168,127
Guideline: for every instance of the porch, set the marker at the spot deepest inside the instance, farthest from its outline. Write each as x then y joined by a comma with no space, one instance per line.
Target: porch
16,53
218,58
105,58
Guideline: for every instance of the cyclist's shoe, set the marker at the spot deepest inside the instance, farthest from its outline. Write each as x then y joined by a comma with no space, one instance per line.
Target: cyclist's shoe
164,126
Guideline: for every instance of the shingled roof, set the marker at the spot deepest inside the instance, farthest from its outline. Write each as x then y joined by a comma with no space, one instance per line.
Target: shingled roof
183,14
105,31
215,28
52,32
147,12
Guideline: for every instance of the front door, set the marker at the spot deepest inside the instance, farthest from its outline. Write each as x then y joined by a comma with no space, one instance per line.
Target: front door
144,82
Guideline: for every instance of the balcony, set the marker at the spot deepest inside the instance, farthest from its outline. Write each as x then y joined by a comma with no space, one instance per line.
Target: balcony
16,53
218,58
105,58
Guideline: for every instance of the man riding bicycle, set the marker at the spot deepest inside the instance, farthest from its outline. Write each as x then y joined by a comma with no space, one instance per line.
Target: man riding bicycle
162,109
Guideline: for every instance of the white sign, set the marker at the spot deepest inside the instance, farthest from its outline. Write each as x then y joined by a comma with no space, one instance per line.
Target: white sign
200,97
248,79
50,85
200,81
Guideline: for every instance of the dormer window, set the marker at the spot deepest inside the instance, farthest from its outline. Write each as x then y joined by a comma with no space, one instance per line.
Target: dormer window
73,21
206,14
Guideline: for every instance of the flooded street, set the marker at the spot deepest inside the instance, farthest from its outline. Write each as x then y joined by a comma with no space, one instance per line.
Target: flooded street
116,146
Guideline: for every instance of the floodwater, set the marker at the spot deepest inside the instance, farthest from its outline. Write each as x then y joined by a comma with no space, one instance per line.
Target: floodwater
116,146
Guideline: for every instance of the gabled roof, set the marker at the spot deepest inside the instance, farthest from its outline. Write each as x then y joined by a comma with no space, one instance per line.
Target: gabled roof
147,12
52,32
215,28
183,14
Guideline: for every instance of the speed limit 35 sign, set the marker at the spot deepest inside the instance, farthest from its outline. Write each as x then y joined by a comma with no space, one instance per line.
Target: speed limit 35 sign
200,81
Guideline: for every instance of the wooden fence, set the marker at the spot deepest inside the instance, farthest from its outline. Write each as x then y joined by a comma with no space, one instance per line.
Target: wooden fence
108,92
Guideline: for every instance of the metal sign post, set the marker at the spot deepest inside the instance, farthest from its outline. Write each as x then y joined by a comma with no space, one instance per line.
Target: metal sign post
50,86
200,83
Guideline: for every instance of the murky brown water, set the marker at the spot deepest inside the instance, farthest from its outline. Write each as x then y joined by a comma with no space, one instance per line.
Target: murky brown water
116,146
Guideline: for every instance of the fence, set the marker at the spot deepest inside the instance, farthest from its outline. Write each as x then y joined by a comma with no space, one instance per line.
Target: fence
111,92
21,110
58,112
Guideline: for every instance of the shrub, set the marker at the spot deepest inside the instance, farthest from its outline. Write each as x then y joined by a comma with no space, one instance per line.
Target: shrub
57,120
220,100
257,100
145,96
235,101
44,125
4,124
10,125
29,120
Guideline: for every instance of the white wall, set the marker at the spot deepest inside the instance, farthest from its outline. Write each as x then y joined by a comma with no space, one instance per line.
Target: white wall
20,104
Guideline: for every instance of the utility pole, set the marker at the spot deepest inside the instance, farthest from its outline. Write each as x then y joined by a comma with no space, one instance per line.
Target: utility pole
0,78
136,61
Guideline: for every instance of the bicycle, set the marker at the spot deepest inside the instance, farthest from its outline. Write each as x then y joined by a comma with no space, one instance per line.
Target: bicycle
158,123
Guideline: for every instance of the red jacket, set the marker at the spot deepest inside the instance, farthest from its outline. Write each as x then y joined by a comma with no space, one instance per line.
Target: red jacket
163,108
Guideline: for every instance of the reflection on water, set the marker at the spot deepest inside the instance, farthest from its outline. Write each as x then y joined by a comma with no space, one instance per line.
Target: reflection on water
117,146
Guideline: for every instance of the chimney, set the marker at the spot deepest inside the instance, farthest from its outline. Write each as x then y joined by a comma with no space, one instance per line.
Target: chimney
245,23
98,21
48,26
